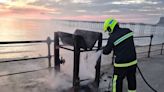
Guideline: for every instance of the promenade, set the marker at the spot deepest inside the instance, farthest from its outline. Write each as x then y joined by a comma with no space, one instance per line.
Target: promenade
45,80
153,70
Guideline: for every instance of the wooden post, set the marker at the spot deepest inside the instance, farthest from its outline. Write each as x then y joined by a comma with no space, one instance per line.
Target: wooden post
56,52
49,51
76,79
98,64
151,37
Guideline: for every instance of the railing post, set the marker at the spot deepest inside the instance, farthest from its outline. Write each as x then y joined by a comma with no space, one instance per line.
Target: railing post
76,79
98,64
113,58
162,49
56,52
49,51
151,38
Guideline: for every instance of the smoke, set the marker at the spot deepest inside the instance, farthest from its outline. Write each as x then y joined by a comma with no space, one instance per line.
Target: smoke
87,64
60,81
50,80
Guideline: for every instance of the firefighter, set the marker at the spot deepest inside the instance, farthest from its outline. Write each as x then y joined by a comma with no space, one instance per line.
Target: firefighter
121,42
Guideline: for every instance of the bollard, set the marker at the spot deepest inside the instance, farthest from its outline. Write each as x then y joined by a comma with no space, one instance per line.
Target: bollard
56,52
49,51
151,37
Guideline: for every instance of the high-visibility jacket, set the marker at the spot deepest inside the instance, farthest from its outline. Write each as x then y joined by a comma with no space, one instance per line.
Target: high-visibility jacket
122,43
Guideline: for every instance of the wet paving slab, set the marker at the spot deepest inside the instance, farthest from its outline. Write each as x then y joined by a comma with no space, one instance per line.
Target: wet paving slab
47,80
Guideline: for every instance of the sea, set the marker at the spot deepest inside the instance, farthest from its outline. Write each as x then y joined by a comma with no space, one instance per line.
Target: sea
31,30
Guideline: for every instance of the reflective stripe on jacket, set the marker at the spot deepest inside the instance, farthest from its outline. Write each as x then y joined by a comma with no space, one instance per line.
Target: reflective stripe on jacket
122,43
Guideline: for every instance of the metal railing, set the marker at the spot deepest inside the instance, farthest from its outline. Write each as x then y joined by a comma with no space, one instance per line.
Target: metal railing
160,47
148,50
49,56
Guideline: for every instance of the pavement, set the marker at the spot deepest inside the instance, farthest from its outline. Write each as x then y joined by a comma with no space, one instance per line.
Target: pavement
153,71
46,81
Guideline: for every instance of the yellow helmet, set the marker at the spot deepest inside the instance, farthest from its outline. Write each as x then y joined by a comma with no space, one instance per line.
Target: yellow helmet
109,23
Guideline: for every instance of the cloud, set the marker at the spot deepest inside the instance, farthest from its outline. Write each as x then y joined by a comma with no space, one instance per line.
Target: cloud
157,14
12,10
134,2
112,11
85,17
87,9
24,1
137,10
82,1
81,11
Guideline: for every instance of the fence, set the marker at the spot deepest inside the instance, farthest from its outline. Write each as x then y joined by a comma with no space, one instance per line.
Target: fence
149,50
49,56
142,51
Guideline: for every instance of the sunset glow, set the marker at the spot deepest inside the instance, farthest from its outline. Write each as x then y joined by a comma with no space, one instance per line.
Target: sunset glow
21,9
123,10
4,1
16,2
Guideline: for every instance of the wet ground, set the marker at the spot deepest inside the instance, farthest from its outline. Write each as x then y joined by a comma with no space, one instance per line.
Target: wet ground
153,71
47,80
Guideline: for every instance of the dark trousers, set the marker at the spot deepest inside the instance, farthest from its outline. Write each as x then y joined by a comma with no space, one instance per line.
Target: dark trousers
120,73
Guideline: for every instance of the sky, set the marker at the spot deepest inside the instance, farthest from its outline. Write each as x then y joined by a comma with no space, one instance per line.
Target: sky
140,11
